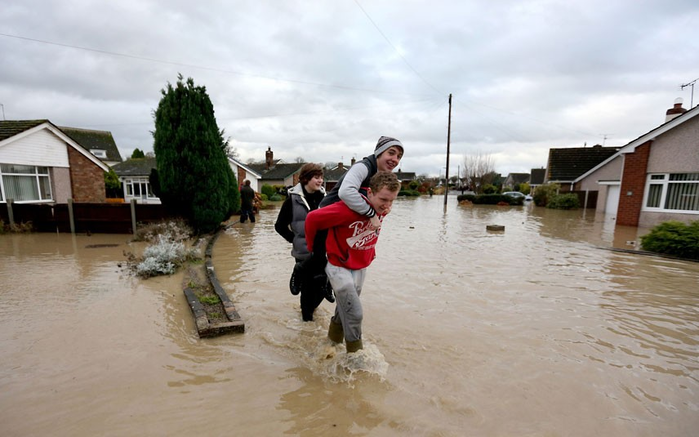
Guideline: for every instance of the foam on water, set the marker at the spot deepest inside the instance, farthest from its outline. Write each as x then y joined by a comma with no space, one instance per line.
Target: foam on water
308,343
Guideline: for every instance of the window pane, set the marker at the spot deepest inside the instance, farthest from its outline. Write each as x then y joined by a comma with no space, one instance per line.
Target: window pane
42,170
654,193
129,189
658,177
684,177
45,188
18,169
21,188
136,189
682,197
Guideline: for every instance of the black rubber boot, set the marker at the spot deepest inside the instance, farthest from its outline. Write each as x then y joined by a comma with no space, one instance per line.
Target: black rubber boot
335,332
354,346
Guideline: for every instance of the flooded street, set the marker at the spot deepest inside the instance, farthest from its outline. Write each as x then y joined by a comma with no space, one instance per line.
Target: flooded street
534,331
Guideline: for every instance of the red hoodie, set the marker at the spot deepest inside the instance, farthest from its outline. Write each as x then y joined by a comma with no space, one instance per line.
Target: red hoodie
350,243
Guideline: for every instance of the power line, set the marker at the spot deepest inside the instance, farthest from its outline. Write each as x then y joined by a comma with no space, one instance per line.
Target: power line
394,48
218,70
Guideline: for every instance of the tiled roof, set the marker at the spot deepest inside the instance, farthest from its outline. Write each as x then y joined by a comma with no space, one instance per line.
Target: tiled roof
278,171
334,174
10,128
135,167
405,175
537,176
567,164
94,139
519,178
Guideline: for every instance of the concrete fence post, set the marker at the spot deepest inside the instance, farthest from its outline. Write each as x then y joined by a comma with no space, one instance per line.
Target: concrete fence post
133,215
10,213
71,216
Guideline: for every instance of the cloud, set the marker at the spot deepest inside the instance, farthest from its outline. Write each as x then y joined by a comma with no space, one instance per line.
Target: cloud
323,80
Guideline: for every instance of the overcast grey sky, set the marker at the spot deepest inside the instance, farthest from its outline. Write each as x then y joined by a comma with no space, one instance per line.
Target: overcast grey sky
323,80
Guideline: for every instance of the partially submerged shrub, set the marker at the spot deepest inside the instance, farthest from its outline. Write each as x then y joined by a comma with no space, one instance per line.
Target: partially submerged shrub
564,201
17,228
673,238
177,230
163,258
167,253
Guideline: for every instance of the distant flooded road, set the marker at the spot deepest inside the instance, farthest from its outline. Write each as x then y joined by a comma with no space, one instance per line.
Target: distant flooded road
534,331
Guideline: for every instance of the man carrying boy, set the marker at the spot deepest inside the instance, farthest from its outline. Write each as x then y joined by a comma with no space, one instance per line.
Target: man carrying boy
350,247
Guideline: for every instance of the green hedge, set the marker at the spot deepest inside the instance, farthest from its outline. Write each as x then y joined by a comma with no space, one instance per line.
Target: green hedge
409,193
673,238
490,199
564,201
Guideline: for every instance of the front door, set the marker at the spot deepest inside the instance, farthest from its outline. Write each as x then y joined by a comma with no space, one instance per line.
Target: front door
612,204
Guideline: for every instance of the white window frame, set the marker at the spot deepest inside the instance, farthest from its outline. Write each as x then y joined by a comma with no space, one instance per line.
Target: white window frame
100,153
144,187
37,178
662,181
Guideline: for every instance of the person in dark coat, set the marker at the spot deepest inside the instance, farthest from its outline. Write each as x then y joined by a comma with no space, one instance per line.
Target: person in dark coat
247,198
303,198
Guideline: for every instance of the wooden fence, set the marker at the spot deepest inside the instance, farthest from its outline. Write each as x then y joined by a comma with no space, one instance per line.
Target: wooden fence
105,218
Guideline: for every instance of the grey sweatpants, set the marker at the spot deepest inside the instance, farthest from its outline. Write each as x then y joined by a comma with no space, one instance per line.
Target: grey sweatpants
347,285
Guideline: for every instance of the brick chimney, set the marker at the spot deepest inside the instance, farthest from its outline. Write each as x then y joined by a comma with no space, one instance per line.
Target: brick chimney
340,166
353,161
675,111
269,158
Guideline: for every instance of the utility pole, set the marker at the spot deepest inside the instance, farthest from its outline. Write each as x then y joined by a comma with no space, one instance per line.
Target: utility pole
446,192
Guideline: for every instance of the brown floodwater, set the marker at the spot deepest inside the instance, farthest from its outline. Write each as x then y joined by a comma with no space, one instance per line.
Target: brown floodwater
534,331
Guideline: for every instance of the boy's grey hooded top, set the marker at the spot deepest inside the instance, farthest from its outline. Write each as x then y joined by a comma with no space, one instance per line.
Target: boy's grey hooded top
356,180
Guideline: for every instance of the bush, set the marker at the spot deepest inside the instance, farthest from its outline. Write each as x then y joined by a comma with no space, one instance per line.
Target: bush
544,193
268,190
489,189
162,258
409,193
462,197
275,197
673,238
491,199
564,201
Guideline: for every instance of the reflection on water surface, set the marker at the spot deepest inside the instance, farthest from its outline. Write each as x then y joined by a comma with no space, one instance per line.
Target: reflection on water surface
531,331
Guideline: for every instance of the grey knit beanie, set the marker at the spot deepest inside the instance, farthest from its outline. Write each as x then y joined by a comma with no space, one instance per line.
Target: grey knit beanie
385,143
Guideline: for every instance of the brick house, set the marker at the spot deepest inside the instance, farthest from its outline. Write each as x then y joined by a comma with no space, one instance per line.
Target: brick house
39,163
654,178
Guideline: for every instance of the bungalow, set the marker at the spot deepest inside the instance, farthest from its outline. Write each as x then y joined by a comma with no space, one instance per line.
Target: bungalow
566,165
99,142
134,175
537,178
654,178
40,163
244,172
272,172
514,179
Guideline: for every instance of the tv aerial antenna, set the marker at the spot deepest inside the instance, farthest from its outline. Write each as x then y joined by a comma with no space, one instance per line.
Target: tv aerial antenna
685,85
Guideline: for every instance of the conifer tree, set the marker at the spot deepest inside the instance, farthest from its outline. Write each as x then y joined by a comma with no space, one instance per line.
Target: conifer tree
194,177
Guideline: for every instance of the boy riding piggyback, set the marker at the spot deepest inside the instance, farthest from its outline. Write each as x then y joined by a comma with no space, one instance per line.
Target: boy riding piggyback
350,247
